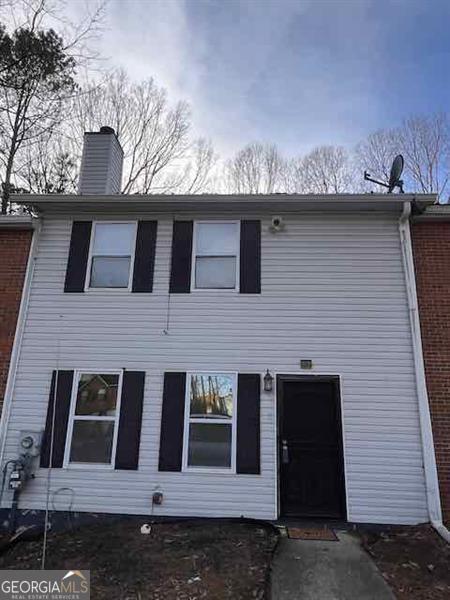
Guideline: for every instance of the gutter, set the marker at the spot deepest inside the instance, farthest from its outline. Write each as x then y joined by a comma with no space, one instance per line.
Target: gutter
17,344
16,222
169,203
429,459
442,530
436,212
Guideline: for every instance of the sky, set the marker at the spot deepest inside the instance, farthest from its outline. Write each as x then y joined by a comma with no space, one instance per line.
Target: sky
299,73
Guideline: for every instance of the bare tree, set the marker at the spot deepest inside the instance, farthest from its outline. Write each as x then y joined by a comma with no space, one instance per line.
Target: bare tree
79,36
376,152
48,167
37,75
324,170
256,169
31,94
158,153
196,176
292,180
425,144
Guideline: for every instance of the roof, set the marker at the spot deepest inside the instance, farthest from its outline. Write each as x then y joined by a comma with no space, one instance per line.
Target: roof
437,212
16,222
69,203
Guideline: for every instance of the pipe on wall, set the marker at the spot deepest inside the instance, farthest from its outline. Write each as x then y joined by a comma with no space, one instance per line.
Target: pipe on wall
429,459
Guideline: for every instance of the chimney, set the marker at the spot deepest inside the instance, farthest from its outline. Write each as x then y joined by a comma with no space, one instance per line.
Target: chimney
101,163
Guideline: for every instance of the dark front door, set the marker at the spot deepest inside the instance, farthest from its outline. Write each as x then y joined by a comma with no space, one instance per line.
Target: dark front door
310,448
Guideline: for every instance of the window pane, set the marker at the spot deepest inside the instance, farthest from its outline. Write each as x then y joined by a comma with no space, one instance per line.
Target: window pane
216,238
214,273
211,396
113,239
209,445
97,395
92,441
110,272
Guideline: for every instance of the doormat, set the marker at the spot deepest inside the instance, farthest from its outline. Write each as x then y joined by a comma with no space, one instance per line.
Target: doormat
309,533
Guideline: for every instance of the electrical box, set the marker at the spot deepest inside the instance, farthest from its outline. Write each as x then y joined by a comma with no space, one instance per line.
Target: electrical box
157,498
30,443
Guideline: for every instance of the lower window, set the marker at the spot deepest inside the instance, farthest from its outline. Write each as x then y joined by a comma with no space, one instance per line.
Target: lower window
93,420
209,424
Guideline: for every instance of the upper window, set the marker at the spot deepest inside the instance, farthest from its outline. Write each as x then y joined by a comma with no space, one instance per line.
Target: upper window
215,255
111,254
209,425
93,422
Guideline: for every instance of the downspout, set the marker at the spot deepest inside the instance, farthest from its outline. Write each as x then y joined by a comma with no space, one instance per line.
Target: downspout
429,459
17,344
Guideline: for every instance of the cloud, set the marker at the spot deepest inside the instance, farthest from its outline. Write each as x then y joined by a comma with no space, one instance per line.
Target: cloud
299,73
275,71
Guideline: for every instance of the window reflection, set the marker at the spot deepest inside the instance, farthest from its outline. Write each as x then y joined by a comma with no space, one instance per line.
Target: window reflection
97,395
211,395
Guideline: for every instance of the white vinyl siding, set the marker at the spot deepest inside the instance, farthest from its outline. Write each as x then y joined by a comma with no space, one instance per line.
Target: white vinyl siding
333,291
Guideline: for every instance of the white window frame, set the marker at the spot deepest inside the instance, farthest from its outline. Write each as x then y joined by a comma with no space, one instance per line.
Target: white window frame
187,420
87,282
238,256
72,417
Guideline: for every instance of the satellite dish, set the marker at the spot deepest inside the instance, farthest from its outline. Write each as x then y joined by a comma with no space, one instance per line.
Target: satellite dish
396,173
394,177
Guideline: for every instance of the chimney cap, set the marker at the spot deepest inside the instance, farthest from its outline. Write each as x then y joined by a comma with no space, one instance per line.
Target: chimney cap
106,129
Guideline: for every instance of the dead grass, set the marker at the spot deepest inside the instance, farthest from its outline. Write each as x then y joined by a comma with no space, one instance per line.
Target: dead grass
187,560
415,561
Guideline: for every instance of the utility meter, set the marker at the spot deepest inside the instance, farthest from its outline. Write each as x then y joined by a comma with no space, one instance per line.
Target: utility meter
27,442
30,443
16,477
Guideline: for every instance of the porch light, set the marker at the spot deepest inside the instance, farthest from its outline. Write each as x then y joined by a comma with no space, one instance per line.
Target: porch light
268,381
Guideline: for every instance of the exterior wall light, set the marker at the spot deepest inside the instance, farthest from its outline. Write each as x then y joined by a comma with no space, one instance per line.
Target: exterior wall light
268,382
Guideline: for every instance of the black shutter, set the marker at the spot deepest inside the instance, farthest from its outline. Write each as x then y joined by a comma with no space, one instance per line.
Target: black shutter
78,256
129,434
180,277
250,267
144,258
172,422
248,424
63,380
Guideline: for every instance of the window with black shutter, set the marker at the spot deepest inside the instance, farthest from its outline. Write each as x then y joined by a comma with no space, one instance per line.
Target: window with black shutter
210,422
111,255
216,255
95,418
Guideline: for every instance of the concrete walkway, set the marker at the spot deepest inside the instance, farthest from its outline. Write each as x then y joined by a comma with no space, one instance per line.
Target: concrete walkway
313,570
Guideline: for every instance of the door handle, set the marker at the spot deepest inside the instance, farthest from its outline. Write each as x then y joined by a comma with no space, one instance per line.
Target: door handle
284,452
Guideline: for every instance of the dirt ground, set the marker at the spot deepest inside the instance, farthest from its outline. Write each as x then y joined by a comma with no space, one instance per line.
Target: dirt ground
187,560
415,561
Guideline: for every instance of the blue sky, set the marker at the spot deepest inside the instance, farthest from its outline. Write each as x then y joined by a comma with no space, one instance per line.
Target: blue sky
299,73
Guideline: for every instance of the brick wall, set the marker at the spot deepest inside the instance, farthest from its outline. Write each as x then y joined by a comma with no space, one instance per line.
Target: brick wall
14,249
431,246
